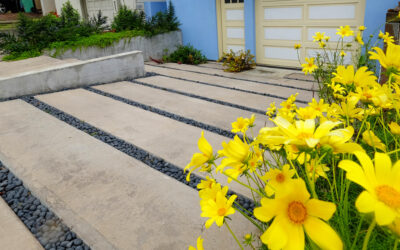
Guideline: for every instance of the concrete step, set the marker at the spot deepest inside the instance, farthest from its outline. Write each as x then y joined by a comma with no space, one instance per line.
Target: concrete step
111,200
260,74
254,101
13,233
164,137
210,113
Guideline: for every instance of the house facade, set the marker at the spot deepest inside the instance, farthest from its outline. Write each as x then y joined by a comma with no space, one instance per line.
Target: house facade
270,28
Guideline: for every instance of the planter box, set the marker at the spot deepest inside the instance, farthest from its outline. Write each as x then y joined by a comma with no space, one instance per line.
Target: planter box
154,47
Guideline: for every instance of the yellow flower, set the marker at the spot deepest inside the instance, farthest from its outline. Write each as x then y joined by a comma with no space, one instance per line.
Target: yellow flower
207,183
315,170
322,44
271,110
309,67
359,39
326,38
293,214
251,120
395,226
371,139
388,60
346,76
318,36
342,53
217,210
387,38
306,113
276,179
394,128
237,154
211,193
362,28
319,107
289,103
297,46
203,159
199,244
344,31
382,185
240,125
339,141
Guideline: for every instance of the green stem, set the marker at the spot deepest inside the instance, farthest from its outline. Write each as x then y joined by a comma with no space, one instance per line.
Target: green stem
357,233
234,236
241,183
366,239
247,216
396,242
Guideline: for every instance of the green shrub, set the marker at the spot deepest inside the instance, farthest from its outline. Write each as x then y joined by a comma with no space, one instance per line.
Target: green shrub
187,55
127,19
237,62
22,55
164,21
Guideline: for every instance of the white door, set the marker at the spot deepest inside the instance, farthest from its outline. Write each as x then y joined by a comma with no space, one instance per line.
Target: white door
231,31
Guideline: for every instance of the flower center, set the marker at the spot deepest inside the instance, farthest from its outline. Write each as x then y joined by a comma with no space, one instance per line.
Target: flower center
280,178
388,195
297,212
304,135
221,211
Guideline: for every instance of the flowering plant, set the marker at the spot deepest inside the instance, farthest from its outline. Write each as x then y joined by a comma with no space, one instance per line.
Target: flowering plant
324,175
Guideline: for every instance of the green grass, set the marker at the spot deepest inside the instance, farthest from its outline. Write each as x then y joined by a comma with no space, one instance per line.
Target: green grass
7,26
99,40
21,56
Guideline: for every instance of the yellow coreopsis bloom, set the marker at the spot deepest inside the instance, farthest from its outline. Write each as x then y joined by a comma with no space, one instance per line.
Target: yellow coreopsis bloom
293,214
217,210
318,36
342,53
346,76
315,170
371,139
322,44
201,160
344,31
382,185
240,125
389,60
339,140
309,67
306,113
199,244
207,183
211,192
394,128
297,46
395,226
362,28
319,107
289,103
276,178
271,110
348,109
359,39
387,38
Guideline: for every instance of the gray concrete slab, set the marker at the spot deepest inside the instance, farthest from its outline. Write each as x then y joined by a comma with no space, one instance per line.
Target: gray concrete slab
76,74
13,233
260,73
37,63
166,138
227,95
210,113
109,199
233,83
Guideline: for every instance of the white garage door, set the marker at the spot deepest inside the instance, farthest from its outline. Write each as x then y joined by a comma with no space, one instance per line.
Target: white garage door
282,23
232,25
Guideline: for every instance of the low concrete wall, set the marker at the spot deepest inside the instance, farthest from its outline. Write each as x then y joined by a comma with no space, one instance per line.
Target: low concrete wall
100,70
151,47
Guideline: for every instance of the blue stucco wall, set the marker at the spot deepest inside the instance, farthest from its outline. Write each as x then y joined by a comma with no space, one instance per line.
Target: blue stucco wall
151,8
250,26
375,16
199,25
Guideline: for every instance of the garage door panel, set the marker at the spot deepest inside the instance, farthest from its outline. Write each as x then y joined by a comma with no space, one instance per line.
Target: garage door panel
232,26
282,23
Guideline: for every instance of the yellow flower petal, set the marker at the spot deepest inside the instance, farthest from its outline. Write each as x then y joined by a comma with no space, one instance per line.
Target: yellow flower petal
383,167
267,210
275,236
368,167
296,233
354,172
365,203
322,234
384,215
204,146
321,209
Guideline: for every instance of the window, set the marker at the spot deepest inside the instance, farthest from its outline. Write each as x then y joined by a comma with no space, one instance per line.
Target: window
234,1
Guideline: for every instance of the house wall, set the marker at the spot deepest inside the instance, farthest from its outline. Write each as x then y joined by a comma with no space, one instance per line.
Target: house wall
106,6
199,25
48,6
375,16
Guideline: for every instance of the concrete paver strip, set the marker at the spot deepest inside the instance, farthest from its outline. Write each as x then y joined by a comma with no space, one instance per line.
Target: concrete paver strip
32,64
283,92
111,200
214,114
166,138
13,233
232,96
260,74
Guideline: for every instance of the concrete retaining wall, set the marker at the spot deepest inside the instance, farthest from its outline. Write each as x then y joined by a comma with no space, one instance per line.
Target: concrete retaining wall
151,47
100,70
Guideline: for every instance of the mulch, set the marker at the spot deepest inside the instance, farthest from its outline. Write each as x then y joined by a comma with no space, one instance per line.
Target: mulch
14,16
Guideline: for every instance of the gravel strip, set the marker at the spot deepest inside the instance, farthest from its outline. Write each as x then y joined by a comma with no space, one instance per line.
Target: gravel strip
179,118
258,111
235,78
48,229
147,158
231,88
